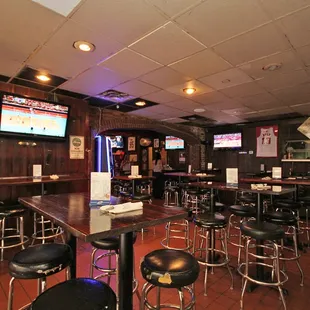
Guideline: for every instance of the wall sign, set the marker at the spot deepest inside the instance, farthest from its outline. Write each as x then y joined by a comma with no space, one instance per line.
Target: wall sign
76,147
267,141
131,143
156,143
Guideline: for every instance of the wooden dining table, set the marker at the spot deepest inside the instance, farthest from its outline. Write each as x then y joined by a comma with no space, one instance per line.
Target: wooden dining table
73,213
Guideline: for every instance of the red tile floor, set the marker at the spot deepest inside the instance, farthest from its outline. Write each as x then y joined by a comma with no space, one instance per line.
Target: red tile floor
219,297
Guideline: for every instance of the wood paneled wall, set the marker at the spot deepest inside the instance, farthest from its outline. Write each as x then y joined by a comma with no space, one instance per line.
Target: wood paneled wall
17,160
249,163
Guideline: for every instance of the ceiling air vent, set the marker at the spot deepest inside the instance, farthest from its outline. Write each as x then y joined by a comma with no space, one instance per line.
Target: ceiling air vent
115,96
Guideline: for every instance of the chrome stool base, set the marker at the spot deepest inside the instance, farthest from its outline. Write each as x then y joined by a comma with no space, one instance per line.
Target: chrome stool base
147,287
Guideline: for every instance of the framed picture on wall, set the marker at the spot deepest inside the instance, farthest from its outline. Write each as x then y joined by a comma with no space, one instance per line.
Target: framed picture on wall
133,157
156,143
131,143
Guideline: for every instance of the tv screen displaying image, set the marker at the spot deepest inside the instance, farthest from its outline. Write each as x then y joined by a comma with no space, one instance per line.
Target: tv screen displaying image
228,140
173,143
117,142
26,116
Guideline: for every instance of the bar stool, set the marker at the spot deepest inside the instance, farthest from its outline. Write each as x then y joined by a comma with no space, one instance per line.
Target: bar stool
12,237
141,197
171,196
169,269
82,293
306,227
47,230
193,200
206,227
111,245
261,232
243,213
290,221
38,262
177,230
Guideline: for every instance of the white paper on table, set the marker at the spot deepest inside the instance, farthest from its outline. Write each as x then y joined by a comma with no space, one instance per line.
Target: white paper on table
134,170
100,186
277,172
232,175
123,208
189,169
37,171
210,166
276,188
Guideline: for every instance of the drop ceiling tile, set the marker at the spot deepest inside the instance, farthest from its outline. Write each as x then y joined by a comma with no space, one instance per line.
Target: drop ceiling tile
174,7
200,89
282,80
21,33
260,101
60,58
243,90
201,64
238,111
185,105
301,108
304,54
62,7
214,21
294,95
122,20
136,88
252,45
94,81
130,63
210,98
276,111
278,8
174,120
287,59
297,27
167,44
162,96
226,105
166,110
120,108
164,77
9,67
225,79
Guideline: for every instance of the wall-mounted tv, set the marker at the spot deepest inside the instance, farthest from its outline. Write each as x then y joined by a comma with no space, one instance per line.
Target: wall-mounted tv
173,143
31,117
228,141
117,142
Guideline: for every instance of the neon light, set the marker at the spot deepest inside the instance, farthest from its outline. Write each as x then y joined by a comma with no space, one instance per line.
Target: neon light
108,153
99,154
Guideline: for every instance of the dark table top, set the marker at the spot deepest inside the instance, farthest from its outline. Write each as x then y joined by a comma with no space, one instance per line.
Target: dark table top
73,213
285,181
126,178
23,180
188,175
241,187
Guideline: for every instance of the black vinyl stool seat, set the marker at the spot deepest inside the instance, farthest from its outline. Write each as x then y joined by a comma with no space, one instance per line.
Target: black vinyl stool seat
11,237
166,268
289,220
111,247
218,207
77,294
247,199
124,194
38,262
141,197
242,211
268,256
207,227
287,204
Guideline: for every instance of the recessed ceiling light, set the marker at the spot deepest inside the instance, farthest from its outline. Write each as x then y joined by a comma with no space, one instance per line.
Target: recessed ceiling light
43,77
226,81
199,110
84,46
272,67
140,103
189,90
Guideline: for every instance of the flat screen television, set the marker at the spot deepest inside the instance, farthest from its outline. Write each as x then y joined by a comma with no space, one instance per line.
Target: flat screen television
117,142
227,141
31,117
173,143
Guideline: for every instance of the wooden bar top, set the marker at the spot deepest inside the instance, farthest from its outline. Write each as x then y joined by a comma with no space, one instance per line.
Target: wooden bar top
73,213
286,181
5,181
241,187
126,178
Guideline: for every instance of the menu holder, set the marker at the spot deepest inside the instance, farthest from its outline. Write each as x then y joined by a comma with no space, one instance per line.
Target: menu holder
232,176
37,171
189,171
134,170
276,172
100,188
210,166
